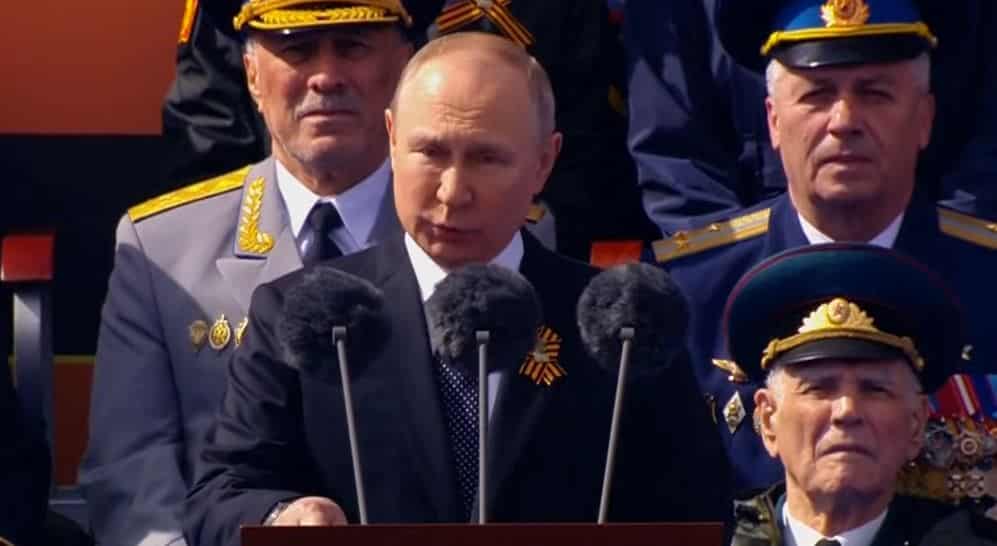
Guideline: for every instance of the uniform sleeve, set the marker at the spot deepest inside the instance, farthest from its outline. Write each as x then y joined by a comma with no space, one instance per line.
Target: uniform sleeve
25,467
697,121
973,177
255,456
210,124
132,474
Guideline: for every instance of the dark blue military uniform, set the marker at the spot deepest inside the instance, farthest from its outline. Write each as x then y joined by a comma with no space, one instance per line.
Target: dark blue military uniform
25,466
707,263
698,131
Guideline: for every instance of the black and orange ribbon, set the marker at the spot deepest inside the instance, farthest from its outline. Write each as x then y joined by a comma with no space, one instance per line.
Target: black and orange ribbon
460,14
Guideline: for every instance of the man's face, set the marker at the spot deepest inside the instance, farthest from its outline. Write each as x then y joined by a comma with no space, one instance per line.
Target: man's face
850,136
467,156
843,428
322,92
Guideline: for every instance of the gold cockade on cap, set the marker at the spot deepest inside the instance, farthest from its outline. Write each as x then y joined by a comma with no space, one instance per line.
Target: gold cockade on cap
844,13
840,318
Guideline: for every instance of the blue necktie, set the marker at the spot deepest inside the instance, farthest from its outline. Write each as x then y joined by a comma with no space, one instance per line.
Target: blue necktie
459,390
322,219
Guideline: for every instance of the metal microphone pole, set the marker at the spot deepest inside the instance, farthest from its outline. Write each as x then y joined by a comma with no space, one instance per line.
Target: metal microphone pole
627,336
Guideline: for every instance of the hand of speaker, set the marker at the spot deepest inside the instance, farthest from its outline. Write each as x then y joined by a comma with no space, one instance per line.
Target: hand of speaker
311,511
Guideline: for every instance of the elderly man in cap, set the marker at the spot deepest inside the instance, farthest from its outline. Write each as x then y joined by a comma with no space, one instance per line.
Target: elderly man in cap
848,339
187,262
472,139
849,110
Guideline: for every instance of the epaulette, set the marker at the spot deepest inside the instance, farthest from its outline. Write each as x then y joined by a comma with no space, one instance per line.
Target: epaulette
968,228
684,243
189,194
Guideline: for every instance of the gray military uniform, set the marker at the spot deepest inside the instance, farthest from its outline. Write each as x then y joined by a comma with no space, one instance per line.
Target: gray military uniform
186,264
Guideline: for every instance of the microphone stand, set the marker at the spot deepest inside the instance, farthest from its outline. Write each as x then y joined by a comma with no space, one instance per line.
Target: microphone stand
339,338
482,337
627,336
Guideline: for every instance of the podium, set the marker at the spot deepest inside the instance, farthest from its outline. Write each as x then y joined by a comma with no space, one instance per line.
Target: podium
495,534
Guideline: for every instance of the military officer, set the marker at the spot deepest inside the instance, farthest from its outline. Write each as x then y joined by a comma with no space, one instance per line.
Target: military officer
849,110
848,339
187,262
697,122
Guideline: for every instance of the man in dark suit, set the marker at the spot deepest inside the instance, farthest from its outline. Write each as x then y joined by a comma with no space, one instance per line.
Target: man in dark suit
849,149
848,339
472,140
25,468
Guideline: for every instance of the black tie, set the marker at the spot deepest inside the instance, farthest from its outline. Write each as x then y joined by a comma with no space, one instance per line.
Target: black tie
322,220
459,390
827,542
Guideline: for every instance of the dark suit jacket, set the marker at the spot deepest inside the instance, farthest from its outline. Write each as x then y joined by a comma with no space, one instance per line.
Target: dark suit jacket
25,465
281,434
909,521
707,278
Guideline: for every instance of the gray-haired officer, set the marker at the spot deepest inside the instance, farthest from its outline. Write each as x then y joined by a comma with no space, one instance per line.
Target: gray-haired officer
848,339
849,111
187,262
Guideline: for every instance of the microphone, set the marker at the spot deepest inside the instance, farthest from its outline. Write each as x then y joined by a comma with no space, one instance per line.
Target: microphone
630,313
495,311
327,312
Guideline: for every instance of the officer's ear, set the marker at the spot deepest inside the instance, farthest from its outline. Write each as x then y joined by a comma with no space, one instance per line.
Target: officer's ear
249,63
918,421
766,409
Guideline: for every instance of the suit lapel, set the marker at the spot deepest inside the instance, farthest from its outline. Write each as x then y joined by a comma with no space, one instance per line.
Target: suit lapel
264,247
409,347
520,403
386,225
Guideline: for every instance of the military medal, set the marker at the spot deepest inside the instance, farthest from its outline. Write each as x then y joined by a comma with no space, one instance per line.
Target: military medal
198,331
734,412
221,334
240,330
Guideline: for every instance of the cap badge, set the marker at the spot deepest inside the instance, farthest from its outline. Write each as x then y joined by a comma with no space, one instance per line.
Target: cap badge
840,318
844,13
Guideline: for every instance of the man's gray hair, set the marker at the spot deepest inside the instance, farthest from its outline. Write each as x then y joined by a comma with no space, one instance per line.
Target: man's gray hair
920,67
496,48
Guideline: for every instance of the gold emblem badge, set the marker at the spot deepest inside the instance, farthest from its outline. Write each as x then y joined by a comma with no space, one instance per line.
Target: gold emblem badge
541,364
734,412
240,330
734,373
220,334
251,239
198,331
844,13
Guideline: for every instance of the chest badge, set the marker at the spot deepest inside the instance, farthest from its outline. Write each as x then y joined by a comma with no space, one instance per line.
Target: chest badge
541,364
221,334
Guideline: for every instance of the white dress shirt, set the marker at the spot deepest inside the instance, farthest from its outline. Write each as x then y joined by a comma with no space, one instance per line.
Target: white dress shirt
801,534
357,206
429,274
885,239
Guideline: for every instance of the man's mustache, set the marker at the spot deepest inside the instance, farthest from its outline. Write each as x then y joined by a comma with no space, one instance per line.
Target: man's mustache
319,104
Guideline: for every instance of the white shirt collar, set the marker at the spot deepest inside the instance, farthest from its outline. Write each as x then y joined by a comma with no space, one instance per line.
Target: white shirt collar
357,206
800,534
428,273
885,239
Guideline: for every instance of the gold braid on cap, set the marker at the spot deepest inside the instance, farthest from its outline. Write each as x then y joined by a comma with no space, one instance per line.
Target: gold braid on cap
840,318
280,14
